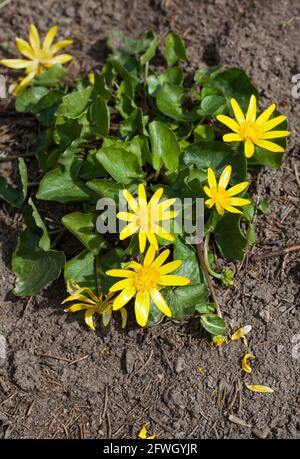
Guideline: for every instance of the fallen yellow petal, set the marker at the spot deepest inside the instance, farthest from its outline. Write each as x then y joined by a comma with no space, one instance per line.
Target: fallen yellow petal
218,340
241,333
143,434
245,365
259,388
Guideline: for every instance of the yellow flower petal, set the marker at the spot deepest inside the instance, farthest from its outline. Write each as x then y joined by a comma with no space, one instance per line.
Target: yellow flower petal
160,303
123,298
120,285
167,215
239,202
232,138
142,308
263,118
88,317
142,194
218,340
156,197
251,112
229,122
120,273
249,148
170,267
259,388
131,201
275,134
79,307
211,178
15,63
241,333
143,434
152,240
60,45
238,113
126,216
236,189
164,205
149,257
245,365
219,209
225,177
273,123
209,203
164,234
142,241
106,317
25,48
231,209
61,59
207,191
123,312
49,38
24,83
173,280
161,258
34,37
129,230
271,146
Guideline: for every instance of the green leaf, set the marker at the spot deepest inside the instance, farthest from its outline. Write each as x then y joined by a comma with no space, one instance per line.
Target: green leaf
235,83
170,99
74,103
120,164
264,206
229,237
175,49
203,132
172,75
105,188
217,155
50,77
213,324
99,117
183,300
213,105
59,186
81,270
190,267
133,125
15,196
29,98
83,226
33,262
205,308
266,158
46,107
151,50
164,146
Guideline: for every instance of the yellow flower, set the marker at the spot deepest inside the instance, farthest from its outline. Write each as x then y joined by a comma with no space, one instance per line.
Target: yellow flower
220,197
143,434
259,388
241,333
144,282
39,58
87,301
245,365
251,130
145,217
218,340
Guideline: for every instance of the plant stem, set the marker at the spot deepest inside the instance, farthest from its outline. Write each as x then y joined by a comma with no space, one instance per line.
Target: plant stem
7,159
98,272
209,268
199,251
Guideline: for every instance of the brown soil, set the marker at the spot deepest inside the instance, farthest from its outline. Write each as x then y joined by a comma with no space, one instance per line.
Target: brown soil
110,383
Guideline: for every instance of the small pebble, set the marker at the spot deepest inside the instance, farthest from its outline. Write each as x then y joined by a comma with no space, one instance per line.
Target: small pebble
261,433
179,365
265,315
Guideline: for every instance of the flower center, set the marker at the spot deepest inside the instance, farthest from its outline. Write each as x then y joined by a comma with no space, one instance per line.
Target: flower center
146,279
145,219
250,131
219,196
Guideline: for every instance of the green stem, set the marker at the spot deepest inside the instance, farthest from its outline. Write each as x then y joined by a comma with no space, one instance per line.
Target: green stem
157,174
209,268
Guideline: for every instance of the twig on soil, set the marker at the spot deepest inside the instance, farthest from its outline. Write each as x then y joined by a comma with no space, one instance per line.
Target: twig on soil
104,406
7,159
143,366
72,362
49,356
277,253
27,306
297,175
199,250
238,421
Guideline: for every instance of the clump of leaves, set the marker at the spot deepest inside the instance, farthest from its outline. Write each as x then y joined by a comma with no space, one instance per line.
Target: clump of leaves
125,125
